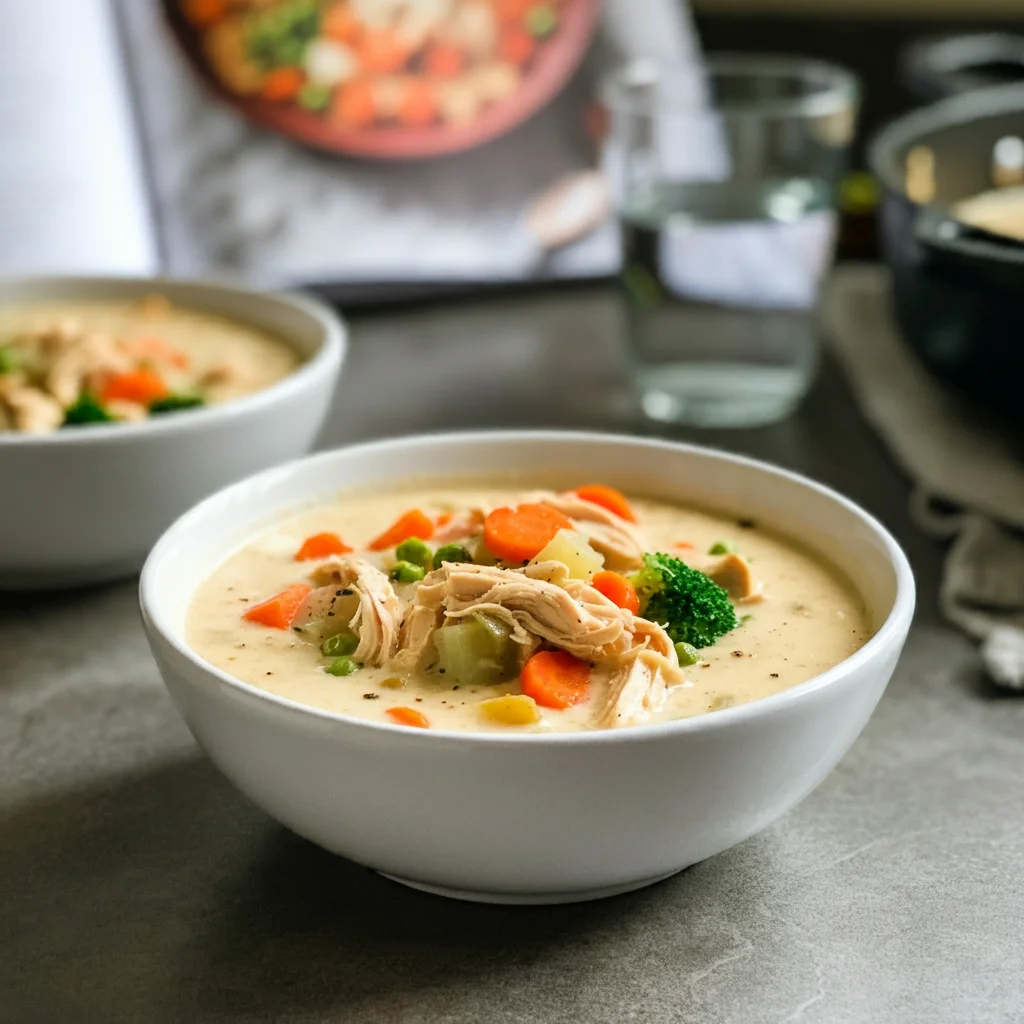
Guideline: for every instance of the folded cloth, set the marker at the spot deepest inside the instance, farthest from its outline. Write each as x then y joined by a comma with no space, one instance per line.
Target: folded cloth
968,474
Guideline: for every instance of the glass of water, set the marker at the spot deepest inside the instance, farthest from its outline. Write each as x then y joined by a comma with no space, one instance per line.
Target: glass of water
725,180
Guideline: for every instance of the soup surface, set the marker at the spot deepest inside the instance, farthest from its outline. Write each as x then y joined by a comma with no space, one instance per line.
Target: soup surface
581,658
66,364
1000,211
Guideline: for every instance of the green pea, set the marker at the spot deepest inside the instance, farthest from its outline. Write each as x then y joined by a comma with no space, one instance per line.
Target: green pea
415,552
343,666
687,654
314,97
541,20
452,553
720,547
341,643
406,572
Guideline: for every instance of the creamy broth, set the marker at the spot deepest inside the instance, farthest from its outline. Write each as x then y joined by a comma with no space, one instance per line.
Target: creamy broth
808,620
129,360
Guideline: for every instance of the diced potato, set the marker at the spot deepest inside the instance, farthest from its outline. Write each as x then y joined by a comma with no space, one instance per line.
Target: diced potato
512,709
572,549
475,651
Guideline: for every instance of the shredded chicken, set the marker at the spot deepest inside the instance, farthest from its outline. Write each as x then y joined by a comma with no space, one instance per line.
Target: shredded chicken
639,682
620,541
28,410
733,574
378,617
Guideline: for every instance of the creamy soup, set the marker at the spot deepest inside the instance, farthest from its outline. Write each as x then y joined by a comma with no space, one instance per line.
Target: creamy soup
67,364
1000,211
558,630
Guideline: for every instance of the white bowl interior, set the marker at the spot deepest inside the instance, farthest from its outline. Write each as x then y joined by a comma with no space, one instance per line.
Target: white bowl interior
817,517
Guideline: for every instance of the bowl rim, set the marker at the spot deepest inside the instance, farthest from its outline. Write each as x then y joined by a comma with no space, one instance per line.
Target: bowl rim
326,359
897,621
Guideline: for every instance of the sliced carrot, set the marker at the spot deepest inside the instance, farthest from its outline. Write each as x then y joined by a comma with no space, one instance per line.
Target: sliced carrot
684,545
617,589
382,52
204,12
282,84
444,519
555,679
355,104
408,716
141,386
279,611
609,498
515,46
157,350
413,523
444,60
517,534
419,102
321,545
513,10
340,24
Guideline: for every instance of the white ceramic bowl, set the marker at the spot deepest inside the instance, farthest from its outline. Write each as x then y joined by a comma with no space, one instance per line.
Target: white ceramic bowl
84,505
528,818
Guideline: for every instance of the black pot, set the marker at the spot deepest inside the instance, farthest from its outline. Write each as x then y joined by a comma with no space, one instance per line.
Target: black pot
959,291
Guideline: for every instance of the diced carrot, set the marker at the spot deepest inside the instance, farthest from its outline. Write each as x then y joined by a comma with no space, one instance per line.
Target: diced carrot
517,534
515,46
281,84
684,545
408,716
355,104
555,679
204,12
142,386
444,60
617,589
413,523
513,10
444,519
279,611
321,545
382,52
419,102
609,498
340,24
157,350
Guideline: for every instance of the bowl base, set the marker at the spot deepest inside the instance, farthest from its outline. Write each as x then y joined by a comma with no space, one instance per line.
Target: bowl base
82,576
527,898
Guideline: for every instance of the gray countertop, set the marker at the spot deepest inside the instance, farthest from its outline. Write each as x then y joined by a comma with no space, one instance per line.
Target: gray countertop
136,885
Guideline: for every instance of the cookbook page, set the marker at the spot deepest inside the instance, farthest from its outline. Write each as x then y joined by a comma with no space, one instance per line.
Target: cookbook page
242,195
72,195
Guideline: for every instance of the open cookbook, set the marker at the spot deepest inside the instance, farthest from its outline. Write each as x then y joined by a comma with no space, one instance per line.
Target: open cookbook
343,144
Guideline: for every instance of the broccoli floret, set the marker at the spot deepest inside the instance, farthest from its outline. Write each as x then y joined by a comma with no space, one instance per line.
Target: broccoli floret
692,608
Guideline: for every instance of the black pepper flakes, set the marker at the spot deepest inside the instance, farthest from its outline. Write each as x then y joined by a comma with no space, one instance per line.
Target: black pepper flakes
737,654
370,696
419,700
746,524
270,673
774,675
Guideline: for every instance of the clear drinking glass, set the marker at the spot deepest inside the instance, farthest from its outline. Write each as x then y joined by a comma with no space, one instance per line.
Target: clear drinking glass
725,182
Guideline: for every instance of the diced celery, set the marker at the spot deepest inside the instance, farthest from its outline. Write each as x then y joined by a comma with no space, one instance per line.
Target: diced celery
474,653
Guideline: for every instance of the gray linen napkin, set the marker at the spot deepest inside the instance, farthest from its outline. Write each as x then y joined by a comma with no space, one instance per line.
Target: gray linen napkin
968,476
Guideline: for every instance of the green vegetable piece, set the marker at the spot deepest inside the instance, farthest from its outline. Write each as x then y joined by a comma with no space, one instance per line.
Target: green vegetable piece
452,553
406,572
477,651
687,654
340,643
174,403
87,409
692,608
541,20
415,552
314,98
642,288
720,547
343,666
8,359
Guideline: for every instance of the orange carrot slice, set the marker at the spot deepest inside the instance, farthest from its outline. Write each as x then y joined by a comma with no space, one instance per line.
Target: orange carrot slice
142,386
555,679
279,611
617,589
517,534
515,46
340,24
382,52
204,12
408,716
609,498
413,523
444,60
419,104
355,104
281,84
321,545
